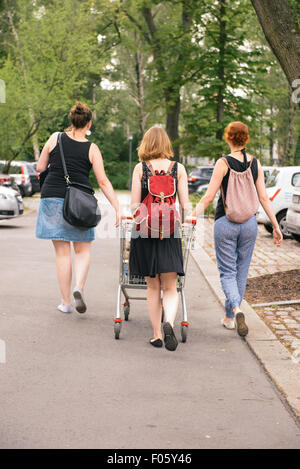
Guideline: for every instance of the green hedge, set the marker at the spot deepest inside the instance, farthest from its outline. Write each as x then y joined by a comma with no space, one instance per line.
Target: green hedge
117,173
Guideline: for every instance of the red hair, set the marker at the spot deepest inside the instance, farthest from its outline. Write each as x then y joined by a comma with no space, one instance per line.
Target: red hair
237,134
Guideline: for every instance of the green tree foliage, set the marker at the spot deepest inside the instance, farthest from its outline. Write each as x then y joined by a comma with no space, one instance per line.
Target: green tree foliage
46,70
195,65
231,64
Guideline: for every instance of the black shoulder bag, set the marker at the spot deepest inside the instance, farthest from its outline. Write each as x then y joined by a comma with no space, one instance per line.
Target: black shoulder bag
80,206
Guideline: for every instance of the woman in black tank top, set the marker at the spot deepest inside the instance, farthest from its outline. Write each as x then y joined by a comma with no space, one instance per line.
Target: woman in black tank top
234,242
81,156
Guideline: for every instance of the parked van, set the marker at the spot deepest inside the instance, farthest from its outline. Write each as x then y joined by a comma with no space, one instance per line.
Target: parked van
280,187
293,214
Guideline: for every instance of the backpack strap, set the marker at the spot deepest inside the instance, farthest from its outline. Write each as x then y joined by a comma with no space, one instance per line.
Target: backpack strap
226,162
221,187
171,168
150,167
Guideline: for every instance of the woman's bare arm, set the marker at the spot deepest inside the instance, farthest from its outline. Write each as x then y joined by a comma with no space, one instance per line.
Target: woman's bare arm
136,190
43,162
183,191
266,204
103,181
220,171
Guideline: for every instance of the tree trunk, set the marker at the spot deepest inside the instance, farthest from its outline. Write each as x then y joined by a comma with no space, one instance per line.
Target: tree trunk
282,32
139,70
297,153
173,107
35,143
291,131
221,71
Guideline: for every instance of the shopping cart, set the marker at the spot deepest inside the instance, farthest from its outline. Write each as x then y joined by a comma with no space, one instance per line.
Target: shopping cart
132,282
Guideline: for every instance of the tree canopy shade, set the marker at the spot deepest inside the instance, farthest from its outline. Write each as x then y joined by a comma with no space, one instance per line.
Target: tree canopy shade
167,29
49,53
193,65
280,20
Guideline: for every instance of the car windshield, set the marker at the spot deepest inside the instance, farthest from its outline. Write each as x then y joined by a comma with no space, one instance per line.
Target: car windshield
12,170
31,169
273,178
202,172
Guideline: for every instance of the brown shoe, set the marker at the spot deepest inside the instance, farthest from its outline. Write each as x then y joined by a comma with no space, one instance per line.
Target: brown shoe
241,325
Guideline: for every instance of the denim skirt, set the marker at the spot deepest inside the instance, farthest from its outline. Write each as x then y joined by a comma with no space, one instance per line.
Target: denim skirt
52,225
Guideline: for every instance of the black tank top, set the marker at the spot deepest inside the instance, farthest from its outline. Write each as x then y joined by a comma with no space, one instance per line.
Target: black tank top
239,166
78,166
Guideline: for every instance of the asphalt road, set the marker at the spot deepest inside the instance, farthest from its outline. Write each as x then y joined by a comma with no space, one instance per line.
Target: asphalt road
67,383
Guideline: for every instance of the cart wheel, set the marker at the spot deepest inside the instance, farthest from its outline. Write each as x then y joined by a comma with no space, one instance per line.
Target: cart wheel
126,312
184,331
117,330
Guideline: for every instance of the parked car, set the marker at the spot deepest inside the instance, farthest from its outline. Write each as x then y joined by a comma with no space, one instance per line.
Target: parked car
293,214
280,186
199,176
268,171
5,180
11,203
25,176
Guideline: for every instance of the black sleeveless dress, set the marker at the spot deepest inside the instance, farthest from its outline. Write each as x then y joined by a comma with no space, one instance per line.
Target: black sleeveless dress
152,256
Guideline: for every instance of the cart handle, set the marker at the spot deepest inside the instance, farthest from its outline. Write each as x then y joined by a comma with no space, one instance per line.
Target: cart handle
192,220
124,217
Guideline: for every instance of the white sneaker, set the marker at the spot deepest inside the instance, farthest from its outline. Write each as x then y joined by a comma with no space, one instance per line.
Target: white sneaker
228,324
67,309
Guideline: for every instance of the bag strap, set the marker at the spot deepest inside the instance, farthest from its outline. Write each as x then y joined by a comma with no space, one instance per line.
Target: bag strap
223,195
150,167
149,164
171,168
62,156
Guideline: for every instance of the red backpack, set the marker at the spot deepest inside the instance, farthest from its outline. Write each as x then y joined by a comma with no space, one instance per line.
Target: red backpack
157,216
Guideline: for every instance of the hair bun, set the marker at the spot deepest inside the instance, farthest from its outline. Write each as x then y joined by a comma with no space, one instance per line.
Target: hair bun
79,109
80,115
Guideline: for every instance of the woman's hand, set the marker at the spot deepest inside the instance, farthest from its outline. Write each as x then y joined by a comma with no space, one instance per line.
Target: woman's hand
277,236
118,217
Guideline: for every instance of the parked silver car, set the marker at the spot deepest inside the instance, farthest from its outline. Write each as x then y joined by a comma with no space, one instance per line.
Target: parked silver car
11,203
293,214
25,175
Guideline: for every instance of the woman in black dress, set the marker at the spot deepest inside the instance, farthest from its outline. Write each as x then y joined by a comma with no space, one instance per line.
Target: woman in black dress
159,261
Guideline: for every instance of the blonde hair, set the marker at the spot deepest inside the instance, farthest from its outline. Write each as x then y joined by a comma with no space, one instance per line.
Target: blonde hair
155,144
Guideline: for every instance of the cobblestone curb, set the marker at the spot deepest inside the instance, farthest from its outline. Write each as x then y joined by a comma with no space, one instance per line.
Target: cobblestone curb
274,357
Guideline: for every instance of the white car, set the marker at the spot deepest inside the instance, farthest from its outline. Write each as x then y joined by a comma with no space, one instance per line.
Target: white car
268,171
293,214
280,186
11,203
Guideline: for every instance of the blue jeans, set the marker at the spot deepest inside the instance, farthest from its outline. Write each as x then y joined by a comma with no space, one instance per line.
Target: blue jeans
234,244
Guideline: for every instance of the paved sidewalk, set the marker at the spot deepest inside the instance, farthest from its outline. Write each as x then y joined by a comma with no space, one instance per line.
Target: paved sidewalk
267,258
68,384
283,321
